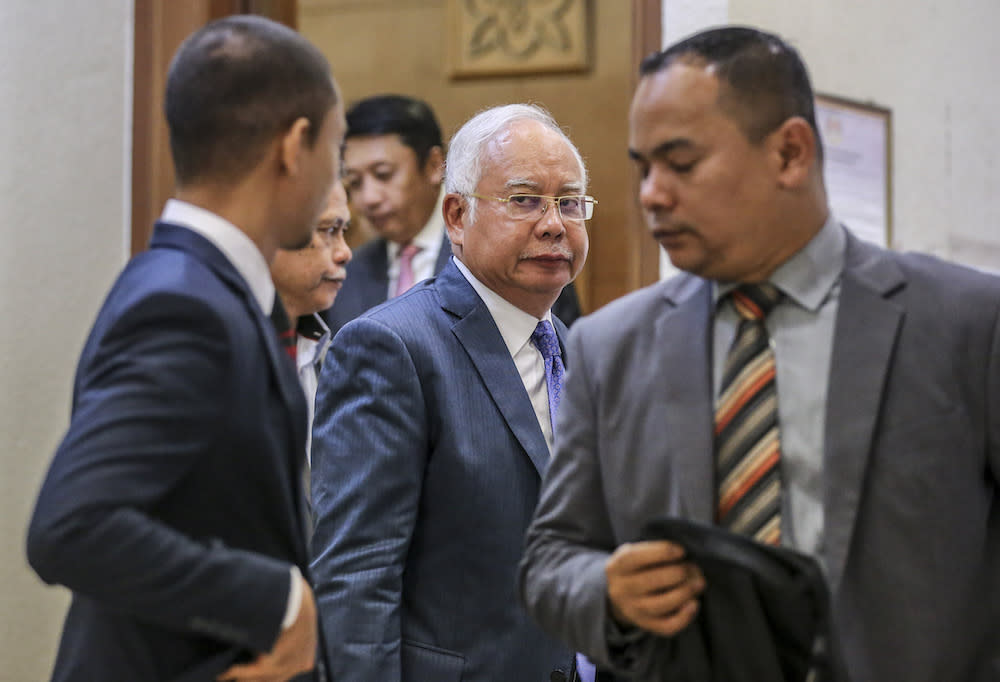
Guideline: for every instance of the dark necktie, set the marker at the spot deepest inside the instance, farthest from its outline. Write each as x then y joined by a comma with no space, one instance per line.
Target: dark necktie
545,340
282,325
747,443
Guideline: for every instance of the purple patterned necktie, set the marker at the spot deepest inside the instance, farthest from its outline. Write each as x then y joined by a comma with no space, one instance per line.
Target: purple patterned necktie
545,340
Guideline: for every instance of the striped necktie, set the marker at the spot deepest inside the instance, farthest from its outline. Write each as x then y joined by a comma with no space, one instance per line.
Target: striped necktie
747,443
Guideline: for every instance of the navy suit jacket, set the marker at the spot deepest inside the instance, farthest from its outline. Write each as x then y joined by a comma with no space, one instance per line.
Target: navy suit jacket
367,285
173,507
427,463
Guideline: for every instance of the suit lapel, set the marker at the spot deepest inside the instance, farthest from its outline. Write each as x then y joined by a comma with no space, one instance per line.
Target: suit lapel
682,336
478,334
867,325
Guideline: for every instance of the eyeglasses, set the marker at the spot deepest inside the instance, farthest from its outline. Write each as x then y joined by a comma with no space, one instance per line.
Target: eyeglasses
534,206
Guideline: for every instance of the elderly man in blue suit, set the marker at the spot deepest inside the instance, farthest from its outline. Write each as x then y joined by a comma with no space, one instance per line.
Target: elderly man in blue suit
434,425
394,171
173,508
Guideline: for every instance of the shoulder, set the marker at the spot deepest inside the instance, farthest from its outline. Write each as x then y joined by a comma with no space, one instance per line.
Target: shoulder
636,312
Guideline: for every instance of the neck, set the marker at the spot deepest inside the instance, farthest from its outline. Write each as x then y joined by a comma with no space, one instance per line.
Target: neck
240,207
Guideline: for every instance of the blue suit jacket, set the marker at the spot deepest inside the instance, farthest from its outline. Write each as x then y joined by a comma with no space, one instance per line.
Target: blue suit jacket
367,285
173,508
427,462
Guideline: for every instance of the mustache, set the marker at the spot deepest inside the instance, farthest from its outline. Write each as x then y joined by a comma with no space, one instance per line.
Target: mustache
555,250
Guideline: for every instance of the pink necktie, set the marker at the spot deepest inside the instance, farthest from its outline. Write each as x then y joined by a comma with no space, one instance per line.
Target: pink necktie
405,280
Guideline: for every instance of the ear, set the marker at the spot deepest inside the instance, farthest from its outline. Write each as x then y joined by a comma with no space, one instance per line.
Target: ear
294,144
434,166
455,209
795,147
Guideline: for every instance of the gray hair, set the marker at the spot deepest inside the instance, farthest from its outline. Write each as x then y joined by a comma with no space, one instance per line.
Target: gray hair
463,167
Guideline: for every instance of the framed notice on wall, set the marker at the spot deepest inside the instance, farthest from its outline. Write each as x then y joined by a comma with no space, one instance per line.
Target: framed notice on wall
857,147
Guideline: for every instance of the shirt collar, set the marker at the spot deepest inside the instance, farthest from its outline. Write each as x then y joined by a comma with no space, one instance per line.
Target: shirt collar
809,275
234,244
429,237
515,325
312,340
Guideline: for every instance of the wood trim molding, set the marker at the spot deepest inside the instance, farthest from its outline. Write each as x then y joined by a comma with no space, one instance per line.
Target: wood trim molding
646,39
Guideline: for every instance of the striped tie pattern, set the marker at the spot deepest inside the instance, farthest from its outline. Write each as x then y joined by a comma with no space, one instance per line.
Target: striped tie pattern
747,443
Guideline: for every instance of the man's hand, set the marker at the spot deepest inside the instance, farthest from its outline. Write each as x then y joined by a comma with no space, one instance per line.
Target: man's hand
294,652
651,586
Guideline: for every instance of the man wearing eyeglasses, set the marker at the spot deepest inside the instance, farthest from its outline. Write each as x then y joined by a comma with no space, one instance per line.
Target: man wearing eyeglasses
307,280
434,425
393,170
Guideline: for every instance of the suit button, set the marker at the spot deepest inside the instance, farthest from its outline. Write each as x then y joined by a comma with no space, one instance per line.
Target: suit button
557,676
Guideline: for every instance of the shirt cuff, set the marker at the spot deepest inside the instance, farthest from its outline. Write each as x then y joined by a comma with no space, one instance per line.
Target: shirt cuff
294,599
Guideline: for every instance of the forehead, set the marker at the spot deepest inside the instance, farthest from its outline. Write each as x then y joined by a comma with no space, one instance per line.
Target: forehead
368,150
679,102
532,151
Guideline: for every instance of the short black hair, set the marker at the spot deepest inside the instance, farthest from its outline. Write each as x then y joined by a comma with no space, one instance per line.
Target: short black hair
765,80
233,86
410,118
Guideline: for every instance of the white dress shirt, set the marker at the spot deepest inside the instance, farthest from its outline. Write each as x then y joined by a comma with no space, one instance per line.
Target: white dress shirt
516,328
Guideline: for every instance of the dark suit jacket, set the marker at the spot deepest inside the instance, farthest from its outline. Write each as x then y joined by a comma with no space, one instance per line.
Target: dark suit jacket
367,285
173,508
911,462
427,461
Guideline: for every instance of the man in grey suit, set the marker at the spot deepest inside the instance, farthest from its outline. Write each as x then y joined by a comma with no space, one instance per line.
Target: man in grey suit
393,171
433,425
888,385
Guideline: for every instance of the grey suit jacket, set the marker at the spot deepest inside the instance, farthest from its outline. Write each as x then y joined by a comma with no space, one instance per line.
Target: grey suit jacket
367,285
911,457
427,462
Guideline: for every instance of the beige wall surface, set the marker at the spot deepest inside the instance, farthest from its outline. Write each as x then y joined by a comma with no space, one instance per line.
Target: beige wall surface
65,98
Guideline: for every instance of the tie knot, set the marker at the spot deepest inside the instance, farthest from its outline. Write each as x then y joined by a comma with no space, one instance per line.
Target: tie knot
544,338
756,301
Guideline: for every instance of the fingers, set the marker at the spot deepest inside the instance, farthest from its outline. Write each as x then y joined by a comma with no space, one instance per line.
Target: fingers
652,587
294,652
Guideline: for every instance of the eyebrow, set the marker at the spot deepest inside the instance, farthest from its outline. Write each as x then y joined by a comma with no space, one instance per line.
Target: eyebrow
519,183
661,149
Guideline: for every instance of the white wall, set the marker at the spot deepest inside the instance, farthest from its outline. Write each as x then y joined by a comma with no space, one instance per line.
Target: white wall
65,136
933,64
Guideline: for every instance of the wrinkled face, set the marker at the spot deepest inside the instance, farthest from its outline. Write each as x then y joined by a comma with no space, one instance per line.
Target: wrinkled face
308,279
318,168
709,194
526,261
388,186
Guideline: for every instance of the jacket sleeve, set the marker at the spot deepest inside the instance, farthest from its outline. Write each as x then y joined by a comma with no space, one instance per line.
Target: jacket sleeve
368,452
562,581
150,393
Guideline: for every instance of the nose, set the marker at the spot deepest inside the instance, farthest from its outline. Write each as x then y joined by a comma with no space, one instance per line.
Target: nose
656,190
550,223
341,252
